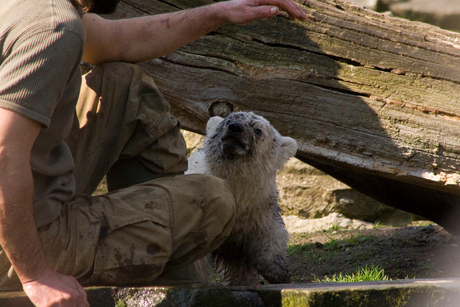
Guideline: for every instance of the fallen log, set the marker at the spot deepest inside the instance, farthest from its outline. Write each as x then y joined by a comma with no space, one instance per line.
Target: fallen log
371,100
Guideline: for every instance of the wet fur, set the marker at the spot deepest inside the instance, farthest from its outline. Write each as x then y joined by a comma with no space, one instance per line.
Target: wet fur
247,151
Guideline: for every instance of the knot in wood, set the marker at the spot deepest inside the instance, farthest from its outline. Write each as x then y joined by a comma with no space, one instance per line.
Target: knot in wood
220,108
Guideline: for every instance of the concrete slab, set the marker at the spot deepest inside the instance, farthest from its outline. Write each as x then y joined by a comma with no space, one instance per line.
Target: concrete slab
397,293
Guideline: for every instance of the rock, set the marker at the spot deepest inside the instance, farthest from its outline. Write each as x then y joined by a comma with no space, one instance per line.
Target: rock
193,140
442,13
294,224
370,4
355,205
306,192
384,5
376,5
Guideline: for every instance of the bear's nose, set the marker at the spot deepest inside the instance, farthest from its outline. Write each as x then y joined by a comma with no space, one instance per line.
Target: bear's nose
236,128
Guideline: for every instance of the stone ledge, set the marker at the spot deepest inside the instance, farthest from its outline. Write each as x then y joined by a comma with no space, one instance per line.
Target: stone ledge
398,293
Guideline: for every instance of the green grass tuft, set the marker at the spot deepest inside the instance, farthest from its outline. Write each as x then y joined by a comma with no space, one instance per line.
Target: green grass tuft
367,273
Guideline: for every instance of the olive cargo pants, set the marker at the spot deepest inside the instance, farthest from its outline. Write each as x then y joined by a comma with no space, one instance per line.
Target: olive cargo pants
141,233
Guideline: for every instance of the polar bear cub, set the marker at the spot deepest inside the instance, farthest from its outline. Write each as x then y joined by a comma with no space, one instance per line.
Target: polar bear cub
246,151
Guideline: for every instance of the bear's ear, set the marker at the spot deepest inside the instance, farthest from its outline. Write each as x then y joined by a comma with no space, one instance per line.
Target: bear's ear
212,124
288,148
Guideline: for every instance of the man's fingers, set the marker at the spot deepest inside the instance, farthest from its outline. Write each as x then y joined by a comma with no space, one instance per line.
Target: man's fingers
259,12
288,6
84,297
243,12
83,294
274,10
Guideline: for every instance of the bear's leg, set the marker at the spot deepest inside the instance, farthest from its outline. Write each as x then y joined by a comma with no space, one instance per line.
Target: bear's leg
242,274
274,270
267,250
233,260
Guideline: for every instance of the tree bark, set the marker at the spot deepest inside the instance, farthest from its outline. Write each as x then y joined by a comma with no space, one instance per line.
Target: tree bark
370,99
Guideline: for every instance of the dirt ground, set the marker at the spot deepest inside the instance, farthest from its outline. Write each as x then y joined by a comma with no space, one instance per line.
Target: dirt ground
423,250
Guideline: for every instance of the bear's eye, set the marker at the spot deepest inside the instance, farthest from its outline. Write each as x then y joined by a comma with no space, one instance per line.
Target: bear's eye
258,132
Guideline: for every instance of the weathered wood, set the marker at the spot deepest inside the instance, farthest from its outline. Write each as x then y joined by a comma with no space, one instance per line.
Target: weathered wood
359,91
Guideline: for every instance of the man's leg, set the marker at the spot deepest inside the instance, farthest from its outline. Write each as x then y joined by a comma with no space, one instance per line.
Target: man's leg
131,236
123,130
158,226
120,104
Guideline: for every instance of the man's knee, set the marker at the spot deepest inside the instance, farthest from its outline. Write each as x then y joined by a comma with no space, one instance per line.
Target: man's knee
219,197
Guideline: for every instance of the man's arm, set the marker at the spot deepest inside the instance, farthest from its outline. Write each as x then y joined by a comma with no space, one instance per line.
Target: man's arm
18,233
146,38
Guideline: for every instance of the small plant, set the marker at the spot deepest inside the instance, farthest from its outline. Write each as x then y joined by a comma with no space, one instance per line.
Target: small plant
295,248
302,236
360,239
333,228
121,303
368,273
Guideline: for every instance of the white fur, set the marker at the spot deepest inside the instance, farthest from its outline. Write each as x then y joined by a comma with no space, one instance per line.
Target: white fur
252,180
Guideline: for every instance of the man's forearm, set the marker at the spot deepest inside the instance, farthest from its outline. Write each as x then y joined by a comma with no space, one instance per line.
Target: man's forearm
149,37
146,38
155,36
19,239
18,234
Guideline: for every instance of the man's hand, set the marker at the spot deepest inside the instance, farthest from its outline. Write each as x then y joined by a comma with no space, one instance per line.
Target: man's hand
243,12
54,289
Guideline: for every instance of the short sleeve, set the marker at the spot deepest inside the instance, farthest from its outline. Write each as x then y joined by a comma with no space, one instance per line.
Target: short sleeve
36,69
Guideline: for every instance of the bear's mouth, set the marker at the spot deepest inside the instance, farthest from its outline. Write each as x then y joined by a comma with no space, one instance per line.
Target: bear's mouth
233,146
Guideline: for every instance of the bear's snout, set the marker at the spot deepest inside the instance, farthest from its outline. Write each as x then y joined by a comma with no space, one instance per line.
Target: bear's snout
235,128
236,132
236,140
